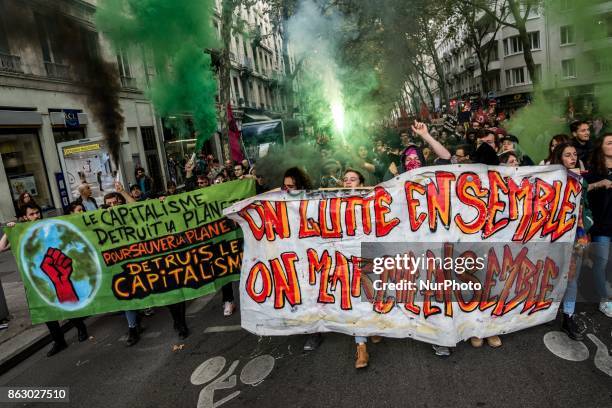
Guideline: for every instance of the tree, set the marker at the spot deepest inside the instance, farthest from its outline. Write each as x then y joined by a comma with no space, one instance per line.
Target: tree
519,10
480,32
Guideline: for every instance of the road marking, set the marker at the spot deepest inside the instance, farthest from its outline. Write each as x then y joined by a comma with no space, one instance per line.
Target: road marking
254,372
207,370
603,360
220,329
563,347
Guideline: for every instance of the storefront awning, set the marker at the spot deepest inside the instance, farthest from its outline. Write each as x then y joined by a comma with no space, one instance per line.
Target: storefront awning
254,117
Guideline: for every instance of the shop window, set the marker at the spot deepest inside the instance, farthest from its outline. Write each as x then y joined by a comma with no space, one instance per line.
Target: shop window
24,166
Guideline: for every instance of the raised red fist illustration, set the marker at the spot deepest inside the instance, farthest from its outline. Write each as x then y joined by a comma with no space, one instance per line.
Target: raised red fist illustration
58,267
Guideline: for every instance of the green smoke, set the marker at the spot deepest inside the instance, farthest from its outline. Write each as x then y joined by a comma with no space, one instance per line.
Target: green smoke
174,37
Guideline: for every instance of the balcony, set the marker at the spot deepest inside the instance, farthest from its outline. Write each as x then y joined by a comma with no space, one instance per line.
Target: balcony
470,63
10,63
128,82
57,71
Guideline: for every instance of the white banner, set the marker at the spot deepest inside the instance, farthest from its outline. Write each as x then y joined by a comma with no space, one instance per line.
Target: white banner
438,254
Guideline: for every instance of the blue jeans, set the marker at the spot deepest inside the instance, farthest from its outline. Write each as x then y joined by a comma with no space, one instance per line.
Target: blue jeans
132,318
360,339
569,300
601,252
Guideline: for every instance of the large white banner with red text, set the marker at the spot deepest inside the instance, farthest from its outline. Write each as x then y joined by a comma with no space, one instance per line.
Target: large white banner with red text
438,254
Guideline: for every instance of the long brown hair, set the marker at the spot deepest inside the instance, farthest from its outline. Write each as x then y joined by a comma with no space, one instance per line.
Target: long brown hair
560,138
598,160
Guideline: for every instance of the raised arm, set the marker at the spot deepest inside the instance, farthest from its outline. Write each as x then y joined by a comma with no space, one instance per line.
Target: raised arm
421,130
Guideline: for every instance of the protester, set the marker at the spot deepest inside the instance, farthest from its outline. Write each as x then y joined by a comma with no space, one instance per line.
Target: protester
510,159
85,198
329,177
136,193
486,149
145,183
556,140
354,179
600,199
413,157
565,154
366,164
463,154
581,138
24,199
32,213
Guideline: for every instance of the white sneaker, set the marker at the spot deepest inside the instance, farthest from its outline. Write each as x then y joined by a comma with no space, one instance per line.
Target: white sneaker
228,308
606,308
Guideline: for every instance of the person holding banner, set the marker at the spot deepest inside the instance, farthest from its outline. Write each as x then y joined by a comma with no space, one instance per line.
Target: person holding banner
413,158
192,183
566,155
354,179
31,212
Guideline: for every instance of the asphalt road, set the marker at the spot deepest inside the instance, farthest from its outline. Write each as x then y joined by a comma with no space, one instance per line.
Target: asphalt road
234,368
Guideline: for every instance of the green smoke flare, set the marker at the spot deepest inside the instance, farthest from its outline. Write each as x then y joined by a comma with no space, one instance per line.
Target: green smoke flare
175,37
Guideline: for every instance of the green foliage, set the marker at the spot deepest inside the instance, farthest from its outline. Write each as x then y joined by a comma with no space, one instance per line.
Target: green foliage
175,37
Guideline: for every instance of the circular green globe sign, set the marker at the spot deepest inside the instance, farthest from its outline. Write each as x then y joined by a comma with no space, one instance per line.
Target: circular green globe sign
60,264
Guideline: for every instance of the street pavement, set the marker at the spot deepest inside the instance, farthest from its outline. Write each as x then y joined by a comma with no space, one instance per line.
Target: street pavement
222,365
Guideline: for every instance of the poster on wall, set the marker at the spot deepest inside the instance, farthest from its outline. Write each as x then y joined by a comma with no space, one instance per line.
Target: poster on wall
23,183
87,161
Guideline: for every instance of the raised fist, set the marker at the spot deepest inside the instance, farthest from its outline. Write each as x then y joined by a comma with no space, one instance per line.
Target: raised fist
58,267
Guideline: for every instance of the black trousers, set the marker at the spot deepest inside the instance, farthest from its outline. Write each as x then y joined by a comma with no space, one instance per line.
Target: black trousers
228,293
56,331
177,311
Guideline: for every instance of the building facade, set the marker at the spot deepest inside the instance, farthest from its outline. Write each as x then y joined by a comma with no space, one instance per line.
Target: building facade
564,60
44,110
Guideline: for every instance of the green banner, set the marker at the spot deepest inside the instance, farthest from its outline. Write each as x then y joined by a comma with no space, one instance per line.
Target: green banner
129,257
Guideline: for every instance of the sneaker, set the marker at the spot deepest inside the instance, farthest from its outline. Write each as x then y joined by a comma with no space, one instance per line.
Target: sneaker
313,342
82,336
133,336
573,327
441,351
606,308
361,357
56,348
228,308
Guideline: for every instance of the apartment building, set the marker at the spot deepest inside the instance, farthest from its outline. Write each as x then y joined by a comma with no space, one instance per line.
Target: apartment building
45,113
565,62
44,109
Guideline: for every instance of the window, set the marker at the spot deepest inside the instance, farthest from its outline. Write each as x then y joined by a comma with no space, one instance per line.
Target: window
4,46
513,45
515,76
124,64
534,40
602,64
44,37
569,68
538,72
24,166
236,89
565,5
567,35
493,51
